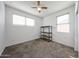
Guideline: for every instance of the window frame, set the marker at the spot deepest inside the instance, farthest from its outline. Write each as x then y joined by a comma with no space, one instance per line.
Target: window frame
63,23
25,23
17,24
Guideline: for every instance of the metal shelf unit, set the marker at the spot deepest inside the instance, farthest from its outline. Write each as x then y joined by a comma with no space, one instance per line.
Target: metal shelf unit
46,33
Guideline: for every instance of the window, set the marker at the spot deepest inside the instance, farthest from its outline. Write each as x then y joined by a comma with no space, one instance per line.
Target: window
30,22
18,20
63,23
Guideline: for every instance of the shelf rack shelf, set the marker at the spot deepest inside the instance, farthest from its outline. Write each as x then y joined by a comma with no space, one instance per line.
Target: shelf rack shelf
46,33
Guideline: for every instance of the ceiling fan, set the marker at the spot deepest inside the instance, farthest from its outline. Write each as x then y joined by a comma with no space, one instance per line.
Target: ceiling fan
39,7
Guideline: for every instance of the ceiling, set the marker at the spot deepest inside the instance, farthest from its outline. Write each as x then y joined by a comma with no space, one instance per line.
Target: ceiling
53,6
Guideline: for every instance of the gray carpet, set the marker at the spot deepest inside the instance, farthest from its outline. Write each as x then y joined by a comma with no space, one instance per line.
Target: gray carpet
39,49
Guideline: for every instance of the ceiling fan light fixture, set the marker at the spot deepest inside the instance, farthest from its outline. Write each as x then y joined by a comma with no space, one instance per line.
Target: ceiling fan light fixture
39,9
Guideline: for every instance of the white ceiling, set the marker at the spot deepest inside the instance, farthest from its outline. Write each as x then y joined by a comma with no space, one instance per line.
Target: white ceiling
53,6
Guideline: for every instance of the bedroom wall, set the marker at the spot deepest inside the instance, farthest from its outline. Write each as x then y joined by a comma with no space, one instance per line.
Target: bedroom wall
63,38
19,34
76,26
2,27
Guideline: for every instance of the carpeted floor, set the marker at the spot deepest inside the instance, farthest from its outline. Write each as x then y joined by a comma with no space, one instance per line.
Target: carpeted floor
39,49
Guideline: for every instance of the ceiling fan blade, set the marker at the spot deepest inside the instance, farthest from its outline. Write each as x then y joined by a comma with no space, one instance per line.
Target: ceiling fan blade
44,7
38,3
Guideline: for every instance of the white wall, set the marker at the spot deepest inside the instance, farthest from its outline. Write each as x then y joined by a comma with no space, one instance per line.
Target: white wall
2,27
63,38
76,26
19,34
